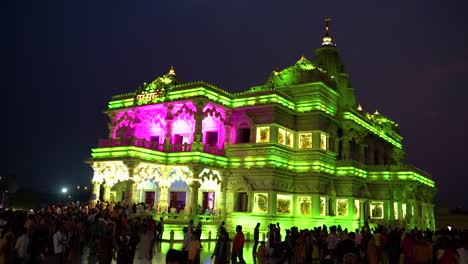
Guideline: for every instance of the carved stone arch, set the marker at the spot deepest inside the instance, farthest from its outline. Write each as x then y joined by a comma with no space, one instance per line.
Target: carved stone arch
110,172
240,184
145,171
211,175
213,112
183,109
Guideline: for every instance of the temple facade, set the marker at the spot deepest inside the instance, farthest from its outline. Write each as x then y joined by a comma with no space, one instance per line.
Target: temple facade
296,150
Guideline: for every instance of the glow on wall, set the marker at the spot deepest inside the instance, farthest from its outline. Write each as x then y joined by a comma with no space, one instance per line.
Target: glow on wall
303,205
260,203
323,141
283,204
145,122
356,208
285,137
182,129
342,207
305,140
263,134
213,126
403,211
377,210
323,205
395,210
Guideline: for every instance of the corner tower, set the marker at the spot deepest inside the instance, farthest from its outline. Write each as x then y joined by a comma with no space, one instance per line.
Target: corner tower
328,58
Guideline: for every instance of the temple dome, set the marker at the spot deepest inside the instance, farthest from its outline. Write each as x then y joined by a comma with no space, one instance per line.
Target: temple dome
302,72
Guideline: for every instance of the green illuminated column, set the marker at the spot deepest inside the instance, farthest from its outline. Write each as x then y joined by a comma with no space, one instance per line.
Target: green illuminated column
163,198
271,203
370,153
391,218
106,195
362,152
96,191
194,186
222,201
345,154
129,192
400,213
332,200
315,204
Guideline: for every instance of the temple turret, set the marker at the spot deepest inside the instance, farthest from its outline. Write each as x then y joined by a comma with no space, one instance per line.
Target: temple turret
328,58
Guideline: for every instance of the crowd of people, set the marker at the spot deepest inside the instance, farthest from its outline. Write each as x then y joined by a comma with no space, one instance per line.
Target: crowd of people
113,232
59,234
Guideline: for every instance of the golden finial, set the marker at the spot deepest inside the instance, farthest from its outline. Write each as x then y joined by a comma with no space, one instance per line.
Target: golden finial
303,57
276,71
376,112
172,71
359,107
327,40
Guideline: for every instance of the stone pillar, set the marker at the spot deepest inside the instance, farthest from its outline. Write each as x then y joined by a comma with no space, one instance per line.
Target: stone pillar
163,199
106,195
391,211
129,192
96,191
199,104
332,199
315,204
370,153
362,209
362,153
194,186
345,154
221,210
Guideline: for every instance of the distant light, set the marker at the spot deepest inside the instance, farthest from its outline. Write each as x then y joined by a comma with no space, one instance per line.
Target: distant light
449,228
64,190
78,187
86,187
69,196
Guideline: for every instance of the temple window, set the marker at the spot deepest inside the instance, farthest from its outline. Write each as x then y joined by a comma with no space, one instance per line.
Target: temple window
242,202
342,207
243,135
377,210
260,203
305,140
283,204
285,137
263,134
323,141
323,205
213,127
303,205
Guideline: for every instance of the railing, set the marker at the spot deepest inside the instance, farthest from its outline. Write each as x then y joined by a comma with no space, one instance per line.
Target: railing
185,218
142,143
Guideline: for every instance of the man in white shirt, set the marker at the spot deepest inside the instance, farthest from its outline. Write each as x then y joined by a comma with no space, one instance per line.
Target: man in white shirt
21,247
60,244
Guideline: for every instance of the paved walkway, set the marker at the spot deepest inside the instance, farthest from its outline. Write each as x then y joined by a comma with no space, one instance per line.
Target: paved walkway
207,250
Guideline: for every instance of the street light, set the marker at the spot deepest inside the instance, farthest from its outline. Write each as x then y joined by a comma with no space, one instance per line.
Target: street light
64,190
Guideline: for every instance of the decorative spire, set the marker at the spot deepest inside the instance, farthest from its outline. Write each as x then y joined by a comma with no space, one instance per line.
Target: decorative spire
171,71
359,107
303,57
276,71
327,40
376,112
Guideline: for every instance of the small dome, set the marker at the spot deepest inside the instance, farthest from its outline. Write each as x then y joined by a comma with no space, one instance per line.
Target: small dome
303,71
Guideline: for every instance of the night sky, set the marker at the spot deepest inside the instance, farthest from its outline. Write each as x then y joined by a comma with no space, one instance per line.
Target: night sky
63,60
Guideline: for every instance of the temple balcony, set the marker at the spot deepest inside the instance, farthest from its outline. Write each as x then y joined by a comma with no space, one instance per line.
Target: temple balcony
167,148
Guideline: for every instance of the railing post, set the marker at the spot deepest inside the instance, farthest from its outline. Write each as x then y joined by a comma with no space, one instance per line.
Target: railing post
209,235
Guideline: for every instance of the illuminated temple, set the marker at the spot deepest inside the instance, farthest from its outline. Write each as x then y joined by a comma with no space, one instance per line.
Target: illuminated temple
296,150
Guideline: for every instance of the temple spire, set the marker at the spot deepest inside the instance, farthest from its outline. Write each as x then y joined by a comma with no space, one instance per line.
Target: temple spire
327,40
172,71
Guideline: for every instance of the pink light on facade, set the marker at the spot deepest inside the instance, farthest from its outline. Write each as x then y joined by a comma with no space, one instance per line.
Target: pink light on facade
146,122
213,130
183,129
